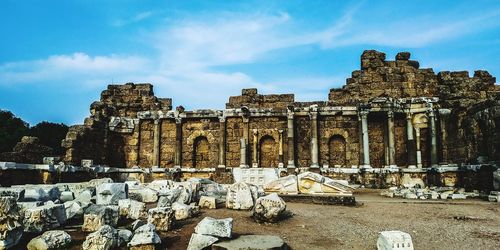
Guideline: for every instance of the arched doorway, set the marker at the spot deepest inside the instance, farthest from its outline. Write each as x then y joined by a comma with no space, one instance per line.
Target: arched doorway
269,157
201,152
337,151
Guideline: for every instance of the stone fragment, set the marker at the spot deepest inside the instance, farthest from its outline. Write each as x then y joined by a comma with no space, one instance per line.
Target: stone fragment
17,193
160,185
136,224
143,194
313,183
132,209
163,218
496,179
111,193
66,196
97,216
181,211
75,209
56,239
11,227
145,235
23,205
200,241
283,185
409,182
124,236
215,227
207,202
458,197
105,238
388,240
254,242
269,208
46,217
241,196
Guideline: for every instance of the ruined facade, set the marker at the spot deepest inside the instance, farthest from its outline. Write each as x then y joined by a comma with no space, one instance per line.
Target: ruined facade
389,114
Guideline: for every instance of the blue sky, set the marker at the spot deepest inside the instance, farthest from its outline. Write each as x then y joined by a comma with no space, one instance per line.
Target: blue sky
57,56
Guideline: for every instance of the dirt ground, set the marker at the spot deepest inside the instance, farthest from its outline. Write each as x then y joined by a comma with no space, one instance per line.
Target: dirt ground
465,224
469,224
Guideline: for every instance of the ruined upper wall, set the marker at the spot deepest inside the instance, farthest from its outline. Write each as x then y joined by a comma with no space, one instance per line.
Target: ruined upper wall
128,99
251,99
403,78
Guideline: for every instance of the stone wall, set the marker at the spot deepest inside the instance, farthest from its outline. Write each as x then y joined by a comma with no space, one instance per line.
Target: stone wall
122,129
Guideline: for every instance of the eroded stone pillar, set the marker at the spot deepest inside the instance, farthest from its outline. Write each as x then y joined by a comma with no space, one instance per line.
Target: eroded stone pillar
178,142
366,146
313,114
290,140
432,125
418,151
246,136
280,148
222,142
255,159
156,142
243,153
390,137
410,142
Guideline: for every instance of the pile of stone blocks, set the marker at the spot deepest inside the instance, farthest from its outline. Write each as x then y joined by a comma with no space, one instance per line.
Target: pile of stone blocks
432,193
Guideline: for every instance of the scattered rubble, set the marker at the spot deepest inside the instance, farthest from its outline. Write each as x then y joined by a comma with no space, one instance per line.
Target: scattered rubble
11,227
46,217
215,227
105,238
50,240
241,196
163,218
432,193
270,208
145,235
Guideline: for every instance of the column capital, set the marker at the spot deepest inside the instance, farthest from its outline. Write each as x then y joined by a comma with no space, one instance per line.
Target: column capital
178,120
390,114
409,115
222,118
430,113
156,121
363,113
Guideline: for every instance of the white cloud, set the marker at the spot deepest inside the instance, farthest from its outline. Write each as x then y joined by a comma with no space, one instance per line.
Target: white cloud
134,19
189,53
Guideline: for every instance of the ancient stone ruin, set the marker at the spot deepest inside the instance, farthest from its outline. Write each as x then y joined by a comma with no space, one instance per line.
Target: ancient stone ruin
424,135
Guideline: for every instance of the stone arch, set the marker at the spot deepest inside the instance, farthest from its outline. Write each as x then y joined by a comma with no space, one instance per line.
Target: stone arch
268,152
337,151
201,152
197,133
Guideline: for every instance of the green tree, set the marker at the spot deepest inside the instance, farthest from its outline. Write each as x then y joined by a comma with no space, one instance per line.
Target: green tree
12,129
50,134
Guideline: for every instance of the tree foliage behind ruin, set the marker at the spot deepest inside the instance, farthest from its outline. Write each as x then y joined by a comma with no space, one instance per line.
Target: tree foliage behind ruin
12,129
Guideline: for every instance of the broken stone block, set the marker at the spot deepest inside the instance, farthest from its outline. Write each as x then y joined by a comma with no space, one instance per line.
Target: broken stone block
445,195
181,211
105,238
136,224
23,205
241,196
313,183
409,182
41,194
75,208
66,196
160,185
494,196
11,227
458,197
46,217
389,240
97,216
111,193
143,194
215,227
496,180
132,209
200,241
269,208
124,237
283,185
56,239
254,242
144,236
162,217
17,193
207,202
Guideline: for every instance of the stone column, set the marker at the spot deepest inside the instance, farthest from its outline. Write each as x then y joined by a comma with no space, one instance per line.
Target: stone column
222,142
178,143
443,121
255,142
246,136
390,138
243,153
366,145
313,114
410,142
419,153
290,140
432,126
156,142
280,148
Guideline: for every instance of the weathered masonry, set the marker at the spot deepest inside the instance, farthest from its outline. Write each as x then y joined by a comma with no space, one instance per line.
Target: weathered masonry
389,114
